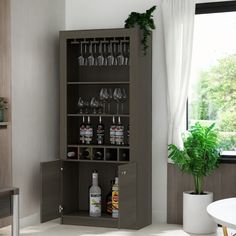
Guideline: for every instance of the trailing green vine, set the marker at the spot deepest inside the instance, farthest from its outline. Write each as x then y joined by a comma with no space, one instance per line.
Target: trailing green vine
144,21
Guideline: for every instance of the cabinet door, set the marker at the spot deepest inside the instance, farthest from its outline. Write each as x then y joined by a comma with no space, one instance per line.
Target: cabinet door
50,190
127,196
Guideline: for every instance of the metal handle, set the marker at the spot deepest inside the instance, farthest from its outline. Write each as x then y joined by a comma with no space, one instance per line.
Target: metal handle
124,172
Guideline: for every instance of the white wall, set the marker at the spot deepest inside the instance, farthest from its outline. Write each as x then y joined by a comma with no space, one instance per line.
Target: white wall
35,93
90,14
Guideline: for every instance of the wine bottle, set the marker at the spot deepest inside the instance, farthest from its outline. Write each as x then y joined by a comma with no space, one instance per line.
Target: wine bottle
100,132
95,196
109,199
88,132
86,154
82,130
119,134
98,155
115,199
71,155
113,132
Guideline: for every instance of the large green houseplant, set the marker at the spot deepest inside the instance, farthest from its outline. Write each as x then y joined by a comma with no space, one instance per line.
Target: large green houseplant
199,157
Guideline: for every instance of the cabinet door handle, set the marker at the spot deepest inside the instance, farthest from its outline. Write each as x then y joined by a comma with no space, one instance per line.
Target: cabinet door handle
124,172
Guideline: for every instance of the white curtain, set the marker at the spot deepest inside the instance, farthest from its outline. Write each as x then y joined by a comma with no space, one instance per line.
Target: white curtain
178,23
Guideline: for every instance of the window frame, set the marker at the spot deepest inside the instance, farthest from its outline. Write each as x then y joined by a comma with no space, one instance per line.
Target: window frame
208,8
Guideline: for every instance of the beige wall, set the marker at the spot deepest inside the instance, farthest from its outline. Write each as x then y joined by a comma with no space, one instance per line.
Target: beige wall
35,93
89,14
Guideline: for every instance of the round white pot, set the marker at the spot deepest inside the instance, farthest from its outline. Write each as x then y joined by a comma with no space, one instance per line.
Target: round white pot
195,217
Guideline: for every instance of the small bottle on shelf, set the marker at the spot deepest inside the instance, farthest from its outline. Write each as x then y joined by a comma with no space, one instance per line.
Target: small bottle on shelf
88,132
113,132
100,132
119,136
115,199
109,199
95,196
82,130
86,154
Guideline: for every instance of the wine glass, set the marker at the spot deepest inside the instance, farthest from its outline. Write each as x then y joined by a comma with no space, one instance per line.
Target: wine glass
81,58
117,95
115,54
102,98
110,57
80,105
95,54
100,58
94,104
123,99
90,57
85,54
126,53
109,100
86,106
120,57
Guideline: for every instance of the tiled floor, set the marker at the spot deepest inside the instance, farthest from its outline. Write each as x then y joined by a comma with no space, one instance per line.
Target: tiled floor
53,228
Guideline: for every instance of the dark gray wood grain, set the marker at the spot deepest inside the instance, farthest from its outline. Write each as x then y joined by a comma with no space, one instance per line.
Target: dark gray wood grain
50,190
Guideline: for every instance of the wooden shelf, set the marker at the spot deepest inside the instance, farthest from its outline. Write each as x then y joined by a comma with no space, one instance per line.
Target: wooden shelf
97,115
98,146
97,83
96,161
82,217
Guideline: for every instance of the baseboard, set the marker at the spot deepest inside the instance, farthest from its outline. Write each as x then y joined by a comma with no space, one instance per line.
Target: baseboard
159,217
30,220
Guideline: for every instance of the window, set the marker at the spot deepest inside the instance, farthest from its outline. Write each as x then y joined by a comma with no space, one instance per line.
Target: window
212,96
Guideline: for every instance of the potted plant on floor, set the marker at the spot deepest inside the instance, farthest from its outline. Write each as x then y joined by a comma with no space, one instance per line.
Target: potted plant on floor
3,106
199,157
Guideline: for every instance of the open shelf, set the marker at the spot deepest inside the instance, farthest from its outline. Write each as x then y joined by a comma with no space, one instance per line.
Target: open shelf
96,161
97,146
83,218
97,83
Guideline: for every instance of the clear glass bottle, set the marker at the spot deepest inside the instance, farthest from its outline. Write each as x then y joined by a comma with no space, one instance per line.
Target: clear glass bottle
100,132
88,132
95,197
119,136
82,130
113,132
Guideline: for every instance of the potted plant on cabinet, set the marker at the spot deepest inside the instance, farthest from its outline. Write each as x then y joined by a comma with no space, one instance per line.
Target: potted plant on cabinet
199,157
3,106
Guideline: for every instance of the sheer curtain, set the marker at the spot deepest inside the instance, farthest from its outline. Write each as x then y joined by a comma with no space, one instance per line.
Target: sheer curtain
178,23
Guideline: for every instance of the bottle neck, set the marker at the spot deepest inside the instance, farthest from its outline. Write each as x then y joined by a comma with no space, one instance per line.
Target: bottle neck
88,119
100,119
95,179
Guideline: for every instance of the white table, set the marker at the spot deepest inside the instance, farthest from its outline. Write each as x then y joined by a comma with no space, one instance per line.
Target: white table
224,213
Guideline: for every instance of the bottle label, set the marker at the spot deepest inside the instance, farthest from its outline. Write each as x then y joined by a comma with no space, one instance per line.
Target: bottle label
95,203
119,135
100,134
113,134
82,133
115,204
88,134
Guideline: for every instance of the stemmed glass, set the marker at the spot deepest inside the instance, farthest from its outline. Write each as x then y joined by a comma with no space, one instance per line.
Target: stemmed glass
115,54
123,99
80,105
110,57
120,57
100,58
90,57
117,95
103,95
109,100
126,54
94,104
81,58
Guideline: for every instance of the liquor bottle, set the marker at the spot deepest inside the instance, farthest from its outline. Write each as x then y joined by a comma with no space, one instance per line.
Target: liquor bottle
88,132
109,200
95,196
113,132
82,130
98,155
115,199
100,132
86,153
119,136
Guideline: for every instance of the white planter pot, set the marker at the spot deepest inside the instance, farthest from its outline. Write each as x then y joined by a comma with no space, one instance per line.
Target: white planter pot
195,217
